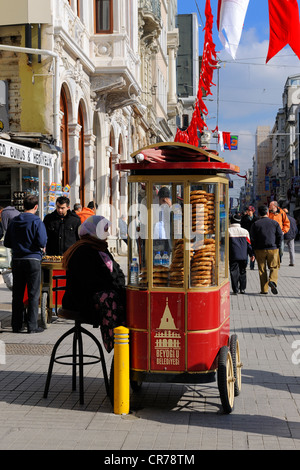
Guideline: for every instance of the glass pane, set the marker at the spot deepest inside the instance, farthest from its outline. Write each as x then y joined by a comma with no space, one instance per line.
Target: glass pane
203,247
167,234
223,231
137,232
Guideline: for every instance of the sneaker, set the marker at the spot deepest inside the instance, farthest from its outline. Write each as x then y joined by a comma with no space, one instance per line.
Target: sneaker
234,293
273,287
243,292
291,265
38,330
263,292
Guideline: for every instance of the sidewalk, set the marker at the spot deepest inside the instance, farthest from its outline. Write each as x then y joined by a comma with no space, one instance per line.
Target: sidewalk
169,417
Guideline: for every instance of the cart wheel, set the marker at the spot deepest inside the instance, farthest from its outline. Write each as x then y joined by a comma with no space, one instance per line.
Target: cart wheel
226,379
44,309
237,365
111,383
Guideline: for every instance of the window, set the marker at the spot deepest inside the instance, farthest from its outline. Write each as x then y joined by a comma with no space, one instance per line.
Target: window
64,137
103,16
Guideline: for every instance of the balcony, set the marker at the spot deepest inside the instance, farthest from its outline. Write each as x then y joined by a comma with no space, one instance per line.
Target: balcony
71,32
150,17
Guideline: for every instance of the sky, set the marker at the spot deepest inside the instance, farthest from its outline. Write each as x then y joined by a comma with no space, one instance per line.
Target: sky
250,91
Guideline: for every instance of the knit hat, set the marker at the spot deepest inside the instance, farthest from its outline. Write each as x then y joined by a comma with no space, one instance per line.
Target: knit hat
94,226
236,219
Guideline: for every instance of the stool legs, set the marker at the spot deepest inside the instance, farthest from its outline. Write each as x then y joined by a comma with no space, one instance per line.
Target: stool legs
77,332
52,359
101,357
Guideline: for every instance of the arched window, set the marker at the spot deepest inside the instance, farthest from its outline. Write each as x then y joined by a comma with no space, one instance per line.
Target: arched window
103,16
81,156
64,137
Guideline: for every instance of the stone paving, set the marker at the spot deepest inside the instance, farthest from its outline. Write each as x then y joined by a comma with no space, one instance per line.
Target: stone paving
174,418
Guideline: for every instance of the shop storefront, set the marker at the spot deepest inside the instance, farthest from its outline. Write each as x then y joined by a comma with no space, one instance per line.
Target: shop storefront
23,171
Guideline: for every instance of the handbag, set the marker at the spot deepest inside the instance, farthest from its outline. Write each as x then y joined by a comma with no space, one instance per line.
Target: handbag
111,314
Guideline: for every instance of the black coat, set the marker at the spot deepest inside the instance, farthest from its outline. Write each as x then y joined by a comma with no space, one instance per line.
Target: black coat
247,223
266,234
87,274
62,232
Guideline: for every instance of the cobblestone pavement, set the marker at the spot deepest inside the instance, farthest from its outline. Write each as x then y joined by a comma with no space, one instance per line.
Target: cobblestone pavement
169,417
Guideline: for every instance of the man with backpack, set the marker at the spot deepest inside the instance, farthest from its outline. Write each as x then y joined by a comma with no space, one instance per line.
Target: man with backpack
278,214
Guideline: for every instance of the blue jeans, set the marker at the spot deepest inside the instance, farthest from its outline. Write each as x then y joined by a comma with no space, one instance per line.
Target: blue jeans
25,271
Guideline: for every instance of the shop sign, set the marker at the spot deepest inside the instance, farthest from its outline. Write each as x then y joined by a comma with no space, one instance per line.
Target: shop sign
25,154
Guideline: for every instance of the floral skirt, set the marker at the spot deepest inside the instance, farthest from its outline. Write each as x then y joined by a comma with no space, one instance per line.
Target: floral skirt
111,314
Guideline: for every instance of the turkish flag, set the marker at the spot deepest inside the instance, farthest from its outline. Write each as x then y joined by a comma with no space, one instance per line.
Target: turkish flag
284,26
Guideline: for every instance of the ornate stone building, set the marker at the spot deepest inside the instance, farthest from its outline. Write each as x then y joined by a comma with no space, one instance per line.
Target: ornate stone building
100,83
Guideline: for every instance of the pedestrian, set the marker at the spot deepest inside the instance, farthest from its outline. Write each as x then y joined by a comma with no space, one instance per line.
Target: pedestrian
88,211
77,208
248,220
123,228
7,214
62,227
239,249
290,236
26,235
278,214
95,282
162,222
266,236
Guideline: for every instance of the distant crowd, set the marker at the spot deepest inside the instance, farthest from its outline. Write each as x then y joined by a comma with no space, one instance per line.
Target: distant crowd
262,239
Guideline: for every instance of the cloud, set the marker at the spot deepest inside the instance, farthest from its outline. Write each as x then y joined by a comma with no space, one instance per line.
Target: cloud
250,93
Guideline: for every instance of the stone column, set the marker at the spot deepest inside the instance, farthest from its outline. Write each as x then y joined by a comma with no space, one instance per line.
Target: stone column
74,131
89,156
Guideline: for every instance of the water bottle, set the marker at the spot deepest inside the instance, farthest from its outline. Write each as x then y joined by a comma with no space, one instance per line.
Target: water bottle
134,272
165,259
157,259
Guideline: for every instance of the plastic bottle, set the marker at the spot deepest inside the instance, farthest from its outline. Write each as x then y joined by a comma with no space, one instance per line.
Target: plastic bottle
165,259
134,272
157,259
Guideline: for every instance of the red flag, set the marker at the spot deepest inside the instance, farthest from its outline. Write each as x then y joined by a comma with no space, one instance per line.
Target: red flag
284,26
209,62
226,139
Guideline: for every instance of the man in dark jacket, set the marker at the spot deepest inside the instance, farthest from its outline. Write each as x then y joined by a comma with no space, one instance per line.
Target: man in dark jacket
239,249
26,236
290,236
266,236
248,220
62,228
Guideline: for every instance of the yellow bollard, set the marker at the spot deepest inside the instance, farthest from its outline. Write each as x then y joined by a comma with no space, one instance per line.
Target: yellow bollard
121,371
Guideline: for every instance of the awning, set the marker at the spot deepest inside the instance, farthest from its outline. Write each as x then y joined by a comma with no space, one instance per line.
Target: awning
26,155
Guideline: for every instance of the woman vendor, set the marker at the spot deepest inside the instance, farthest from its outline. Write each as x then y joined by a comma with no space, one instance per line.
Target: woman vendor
95,282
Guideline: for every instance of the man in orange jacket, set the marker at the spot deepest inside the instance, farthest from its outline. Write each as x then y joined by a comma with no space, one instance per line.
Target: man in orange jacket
281,217
87,211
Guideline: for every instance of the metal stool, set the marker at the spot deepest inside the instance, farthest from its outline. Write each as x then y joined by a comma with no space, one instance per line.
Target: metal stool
78,359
